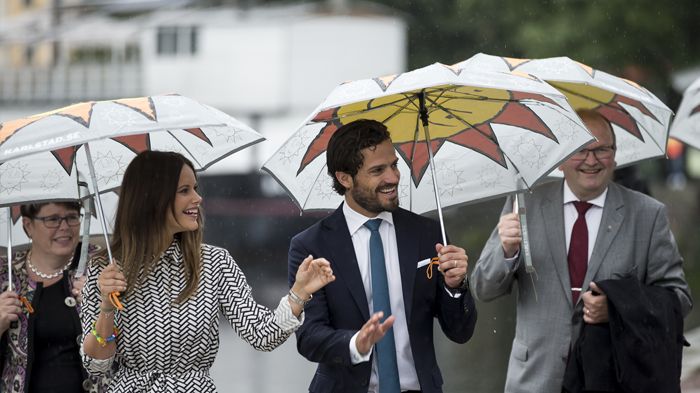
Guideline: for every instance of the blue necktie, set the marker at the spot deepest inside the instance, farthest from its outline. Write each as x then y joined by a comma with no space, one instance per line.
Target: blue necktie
385,349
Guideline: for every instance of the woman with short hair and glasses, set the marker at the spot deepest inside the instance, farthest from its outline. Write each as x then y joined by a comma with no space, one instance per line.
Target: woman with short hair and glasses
39,318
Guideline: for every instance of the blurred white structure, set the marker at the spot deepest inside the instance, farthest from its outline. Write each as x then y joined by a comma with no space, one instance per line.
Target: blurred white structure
268,66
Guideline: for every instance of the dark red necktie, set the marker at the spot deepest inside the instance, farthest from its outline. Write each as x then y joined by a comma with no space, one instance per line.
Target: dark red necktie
578,250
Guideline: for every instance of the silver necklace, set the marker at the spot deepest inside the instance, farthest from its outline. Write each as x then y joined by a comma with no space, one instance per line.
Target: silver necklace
44,275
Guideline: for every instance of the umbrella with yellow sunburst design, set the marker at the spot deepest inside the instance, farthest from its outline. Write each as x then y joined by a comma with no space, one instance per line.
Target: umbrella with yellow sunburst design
639,119
98,139
686,124
462,136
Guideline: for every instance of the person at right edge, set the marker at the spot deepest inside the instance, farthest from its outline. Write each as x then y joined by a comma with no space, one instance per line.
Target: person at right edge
372,329
584,229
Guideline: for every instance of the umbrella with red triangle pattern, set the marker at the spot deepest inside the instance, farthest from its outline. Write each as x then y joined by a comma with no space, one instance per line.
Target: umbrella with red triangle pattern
686,124
99,139
639,119
462,136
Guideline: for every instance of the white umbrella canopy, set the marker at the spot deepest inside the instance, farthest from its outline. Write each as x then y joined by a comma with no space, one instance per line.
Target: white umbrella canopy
639,119
20,241
686,124
116,131
36,178
491,134
99,138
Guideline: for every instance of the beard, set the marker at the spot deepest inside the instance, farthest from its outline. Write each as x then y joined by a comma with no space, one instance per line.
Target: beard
369,200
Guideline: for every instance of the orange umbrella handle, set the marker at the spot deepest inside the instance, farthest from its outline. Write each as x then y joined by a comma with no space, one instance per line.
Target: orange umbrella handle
114,299
429,270
27,304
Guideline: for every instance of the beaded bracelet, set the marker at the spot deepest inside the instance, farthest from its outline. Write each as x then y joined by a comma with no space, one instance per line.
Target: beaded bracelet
101,340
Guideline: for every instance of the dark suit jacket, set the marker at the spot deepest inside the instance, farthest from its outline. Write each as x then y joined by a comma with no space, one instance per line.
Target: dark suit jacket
640,349
339,310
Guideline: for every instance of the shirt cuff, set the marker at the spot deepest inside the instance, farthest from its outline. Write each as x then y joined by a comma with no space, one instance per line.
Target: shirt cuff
355,356
285,318
96,366
511,262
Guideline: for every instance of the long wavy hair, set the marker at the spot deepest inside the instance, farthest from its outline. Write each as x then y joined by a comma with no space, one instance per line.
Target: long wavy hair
146,200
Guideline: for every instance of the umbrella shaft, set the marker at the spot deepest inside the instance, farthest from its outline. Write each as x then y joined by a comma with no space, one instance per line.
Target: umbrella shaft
9,248
98,201
424,120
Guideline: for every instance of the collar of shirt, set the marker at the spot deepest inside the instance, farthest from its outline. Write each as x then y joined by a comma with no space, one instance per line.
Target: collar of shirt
598,201
357,220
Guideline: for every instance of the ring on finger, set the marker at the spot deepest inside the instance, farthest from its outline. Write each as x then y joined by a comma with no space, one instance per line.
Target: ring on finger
454,263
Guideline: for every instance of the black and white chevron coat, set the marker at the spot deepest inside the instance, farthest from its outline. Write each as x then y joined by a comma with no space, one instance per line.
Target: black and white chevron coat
164,346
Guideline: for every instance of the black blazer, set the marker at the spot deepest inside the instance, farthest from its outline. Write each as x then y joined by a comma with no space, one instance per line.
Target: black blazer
339,310
639,350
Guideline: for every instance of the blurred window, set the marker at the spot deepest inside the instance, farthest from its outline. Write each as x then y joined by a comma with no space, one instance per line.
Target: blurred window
177,40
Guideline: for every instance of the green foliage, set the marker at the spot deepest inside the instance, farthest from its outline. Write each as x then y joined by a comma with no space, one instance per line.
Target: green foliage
611,35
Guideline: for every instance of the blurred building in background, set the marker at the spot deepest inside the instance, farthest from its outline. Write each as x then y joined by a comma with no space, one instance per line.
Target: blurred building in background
268,66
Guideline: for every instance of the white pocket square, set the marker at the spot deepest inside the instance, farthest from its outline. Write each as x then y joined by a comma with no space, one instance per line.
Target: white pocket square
423,263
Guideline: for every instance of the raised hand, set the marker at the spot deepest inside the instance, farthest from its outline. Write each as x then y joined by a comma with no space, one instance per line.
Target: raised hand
312,275
372,331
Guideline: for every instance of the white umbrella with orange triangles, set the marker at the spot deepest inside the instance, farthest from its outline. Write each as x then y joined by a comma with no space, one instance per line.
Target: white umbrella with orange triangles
99,138
639,119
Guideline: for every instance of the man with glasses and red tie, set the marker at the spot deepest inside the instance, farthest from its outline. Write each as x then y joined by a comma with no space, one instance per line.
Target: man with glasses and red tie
583,229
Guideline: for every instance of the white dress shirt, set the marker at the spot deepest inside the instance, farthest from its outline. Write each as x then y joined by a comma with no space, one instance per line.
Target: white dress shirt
360,241
593,216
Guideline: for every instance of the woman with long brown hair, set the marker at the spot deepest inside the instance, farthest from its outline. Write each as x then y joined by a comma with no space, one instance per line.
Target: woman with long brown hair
173,287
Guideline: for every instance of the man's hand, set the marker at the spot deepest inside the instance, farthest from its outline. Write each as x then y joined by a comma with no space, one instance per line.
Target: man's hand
373,331
453,264
509,232
595,306
10,309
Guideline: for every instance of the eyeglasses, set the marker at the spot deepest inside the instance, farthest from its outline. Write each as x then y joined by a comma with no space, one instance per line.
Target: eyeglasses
72,220
600,153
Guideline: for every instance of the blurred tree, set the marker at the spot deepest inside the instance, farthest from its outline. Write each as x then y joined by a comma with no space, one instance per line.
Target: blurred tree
644,40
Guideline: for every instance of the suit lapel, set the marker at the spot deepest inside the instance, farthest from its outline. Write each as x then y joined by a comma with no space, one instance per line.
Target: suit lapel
610,225
553,222
407,243
343,260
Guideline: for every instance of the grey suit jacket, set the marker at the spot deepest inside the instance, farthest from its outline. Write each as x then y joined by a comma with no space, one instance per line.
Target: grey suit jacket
634,238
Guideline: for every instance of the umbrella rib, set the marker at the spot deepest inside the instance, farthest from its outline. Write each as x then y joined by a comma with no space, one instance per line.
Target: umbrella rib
382,106
199,164
466,123
284,186
315,180
607,104
399,110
